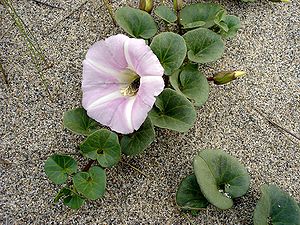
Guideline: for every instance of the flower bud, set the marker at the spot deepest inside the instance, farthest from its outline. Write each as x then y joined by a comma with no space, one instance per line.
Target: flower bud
284,1
225,77
146,5
177,5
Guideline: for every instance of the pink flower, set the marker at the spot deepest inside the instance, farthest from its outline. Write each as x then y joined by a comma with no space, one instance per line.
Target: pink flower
121,77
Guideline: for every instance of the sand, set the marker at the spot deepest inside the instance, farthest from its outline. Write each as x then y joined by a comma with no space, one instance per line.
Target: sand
267,48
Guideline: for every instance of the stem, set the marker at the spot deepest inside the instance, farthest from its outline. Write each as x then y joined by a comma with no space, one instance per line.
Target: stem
133,167
108,6
88,165
178,22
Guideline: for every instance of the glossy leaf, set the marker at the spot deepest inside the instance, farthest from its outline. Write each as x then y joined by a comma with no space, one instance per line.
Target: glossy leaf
103,146
166,14
135,143
74,201
276,206
58,167
203,45
173,111
63,192
221,177
189,195
77,121
136,22
191,83
91,184
170,48
233,24
201,13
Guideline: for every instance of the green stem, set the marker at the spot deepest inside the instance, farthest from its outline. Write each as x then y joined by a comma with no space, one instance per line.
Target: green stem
178,22
109,8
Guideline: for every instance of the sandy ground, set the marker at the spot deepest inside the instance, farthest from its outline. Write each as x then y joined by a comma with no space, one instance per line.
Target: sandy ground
267,47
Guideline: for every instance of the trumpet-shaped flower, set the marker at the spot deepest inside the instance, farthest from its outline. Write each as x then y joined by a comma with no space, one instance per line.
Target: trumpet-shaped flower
121,77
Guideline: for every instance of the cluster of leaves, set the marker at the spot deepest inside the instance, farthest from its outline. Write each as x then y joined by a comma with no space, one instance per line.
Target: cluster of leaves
203,25
219,178
201,28
101,147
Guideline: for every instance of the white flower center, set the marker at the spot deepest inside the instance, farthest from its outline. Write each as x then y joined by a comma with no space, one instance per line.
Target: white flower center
133,84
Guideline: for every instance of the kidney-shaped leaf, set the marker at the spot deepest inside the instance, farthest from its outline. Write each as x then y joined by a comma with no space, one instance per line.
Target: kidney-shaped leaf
189,195
170,49
173,111
135,143
221,177
103,146
58,167
233,25
166,14
78,121
191,83
203,45
91,184
136,22
202,14
276,206
73,201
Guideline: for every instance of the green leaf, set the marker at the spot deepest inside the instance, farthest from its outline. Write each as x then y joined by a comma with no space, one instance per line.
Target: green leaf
63,192
191,83
58,167
74,201
194,25
203,45
276,206
170,49
189,195
135,143
166,14
173,111
201,13
91,184
233,24
219,20
136,22
221,177
103,146
77,120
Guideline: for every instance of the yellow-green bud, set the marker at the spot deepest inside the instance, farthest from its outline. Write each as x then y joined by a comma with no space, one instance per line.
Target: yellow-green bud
146,5
284,1
226,77
177,5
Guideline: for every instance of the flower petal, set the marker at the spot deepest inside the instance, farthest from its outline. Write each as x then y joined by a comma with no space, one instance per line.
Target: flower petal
141,59
150,86
108,56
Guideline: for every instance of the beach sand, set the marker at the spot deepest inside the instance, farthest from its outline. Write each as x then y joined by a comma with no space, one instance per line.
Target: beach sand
267,48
